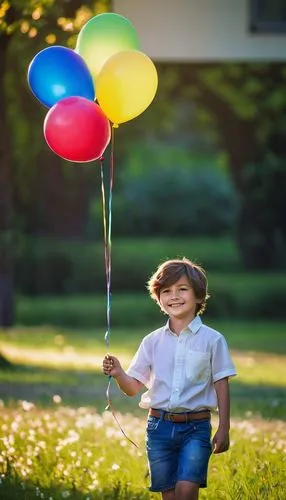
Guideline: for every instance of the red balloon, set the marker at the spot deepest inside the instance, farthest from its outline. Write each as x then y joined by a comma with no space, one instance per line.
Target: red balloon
76,129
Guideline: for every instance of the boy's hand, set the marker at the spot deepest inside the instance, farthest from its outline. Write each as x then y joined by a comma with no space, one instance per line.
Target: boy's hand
220,441
111,366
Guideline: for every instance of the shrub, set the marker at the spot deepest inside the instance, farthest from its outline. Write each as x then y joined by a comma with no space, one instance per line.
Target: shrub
234,296
172,202
48,266
261,227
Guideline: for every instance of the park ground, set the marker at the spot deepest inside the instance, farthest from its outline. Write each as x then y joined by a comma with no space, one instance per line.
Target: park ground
58,440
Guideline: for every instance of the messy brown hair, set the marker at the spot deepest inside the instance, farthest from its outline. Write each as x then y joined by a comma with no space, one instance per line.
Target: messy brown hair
170,271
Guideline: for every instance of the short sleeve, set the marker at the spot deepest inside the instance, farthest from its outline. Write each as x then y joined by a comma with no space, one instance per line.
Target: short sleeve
222,365
139,367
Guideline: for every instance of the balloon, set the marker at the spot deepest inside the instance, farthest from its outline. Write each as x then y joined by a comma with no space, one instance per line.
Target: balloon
126,85
57,72
77,130
102,36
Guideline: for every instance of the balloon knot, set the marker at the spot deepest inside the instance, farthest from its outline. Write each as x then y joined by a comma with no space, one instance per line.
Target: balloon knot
115,125
101,158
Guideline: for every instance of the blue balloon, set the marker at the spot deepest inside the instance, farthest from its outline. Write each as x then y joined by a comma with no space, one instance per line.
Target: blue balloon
57,72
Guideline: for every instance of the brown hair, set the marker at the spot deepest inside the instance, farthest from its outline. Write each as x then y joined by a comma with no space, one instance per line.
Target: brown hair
171,271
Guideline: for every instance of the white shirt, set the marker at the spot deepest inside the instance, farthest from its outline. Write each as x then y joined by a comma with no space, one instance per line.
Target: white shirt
179,371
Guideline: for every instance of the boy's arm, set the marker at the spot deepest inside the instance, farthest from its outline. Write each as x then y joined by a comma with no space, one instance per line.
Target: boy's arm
127,384
221,437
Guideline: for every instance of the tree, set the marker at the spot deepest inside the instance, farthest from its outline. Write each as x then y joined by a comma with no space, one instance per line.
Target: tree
248,105
245,104
40,21
242,108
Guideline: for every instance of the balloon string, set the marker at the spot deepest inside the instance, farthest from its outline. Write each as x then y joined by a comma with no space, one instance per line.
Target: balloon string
104,215
107,218
110,407
109,246
107,258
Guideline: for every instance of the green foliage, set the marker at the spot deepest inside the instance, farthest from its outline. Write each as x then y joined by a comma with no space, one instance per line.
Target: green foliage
26,141
262,220
172,203
232,296
165,191
48,266
223,79
31,26
247,295
254,92
87,311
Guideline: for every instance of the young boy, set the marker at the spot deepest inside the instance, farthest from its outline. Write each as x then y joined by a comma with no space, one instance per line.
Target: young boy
185,366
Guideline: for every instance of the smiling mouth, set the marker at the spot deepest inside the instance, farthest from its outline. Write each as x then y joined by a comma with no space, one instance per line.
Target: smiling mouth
175,305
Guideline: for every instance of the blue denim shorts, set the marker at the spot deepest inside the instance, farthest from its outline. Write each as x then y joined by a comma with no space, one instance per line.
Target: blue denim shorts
177,452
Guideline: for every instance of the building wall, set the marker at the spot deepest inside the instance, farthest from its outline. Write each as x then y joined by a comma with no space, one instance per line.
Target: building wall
200,30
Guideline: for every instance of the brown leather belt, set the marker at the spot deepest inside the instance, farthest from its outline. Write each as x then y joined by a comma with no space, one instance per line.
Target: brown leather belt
180,417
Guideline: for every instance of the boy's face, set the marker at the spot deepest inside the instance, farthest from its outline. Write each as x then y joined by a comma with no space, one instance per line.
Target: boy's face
179,300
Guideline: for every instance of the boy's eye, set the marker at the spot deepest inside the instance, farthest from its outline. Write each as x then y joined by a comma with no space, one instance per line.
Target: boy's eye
165,291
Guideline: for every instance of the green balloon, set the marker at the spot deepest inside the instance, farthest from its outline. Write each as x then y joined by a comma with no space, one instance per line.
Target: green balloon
105,35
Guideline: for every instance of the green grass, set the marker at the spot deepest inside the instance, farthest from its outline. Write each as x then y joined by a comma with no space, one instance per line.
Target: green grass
79,454
50,361
259,336
56,440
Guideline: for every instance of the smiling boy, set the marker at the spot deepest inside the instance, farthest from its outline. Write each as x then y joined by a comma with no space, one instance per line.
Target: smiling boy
185,366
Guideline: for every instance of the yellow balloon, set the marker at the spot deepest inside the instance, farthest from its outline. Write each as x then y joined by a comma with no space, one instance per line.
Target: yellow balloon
126,85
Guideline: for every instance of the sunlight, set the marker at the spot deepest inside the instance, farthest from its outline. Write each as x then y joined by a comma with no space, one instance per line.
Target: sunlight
68,357
258,368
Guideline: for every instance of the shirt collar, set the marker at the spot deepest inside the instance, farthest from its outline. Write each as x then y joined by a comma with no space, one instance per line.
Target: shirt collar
196,324
193,326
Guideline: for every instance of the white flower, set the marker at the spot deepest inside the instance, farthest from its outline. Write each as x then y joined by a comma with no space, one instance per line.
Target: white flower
57,399
26,405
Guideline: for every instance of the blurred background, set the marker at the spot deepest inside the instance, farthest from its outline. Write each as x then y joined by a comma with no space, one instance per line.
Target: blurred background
201,173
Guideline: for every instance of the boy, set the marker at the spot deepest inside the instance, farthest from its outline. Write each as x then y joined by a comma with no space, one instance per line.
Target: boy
185,367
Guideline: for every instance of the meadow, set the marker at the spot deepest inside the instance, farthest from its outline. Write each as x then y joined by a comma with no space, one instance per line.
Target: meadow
58,441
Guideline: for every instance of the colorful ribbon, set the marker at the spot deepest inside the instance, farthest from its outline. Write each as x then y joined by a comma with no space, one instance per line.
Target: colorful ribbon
107,220
107,236
109,405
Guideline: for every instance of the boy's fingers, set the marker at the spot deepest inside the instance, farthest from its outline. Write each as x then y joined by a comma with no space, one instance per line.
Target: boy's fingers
109,357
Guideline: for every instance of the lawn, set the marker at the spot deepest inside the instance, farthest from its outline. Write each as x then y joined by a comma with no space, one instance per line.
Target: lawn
57,441
79,454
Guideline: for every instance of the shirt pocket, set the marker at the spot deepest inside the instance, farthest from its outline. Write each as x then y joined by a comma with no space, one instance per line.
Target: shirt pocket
198,366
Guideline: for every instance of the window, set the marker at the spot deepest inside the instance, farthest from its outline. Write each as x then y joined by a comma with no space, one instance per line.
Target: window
268,16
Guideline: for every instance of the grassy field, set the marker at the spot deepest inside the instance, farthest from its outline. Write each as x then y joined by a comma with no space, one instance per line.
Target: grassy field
57,441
